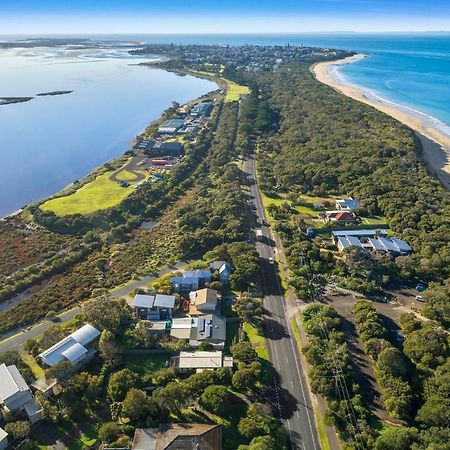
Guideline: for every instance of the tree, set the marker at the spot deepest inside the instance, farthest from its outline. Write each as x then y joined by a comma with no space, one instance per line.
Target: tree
142,334
427,347
110,351
120,383
106,314
409,323
60,371
246,378
214,397
396,438
256,422
137,406
437,302
260,443
243,351
247,307
109,431
50,337
392,361
18,429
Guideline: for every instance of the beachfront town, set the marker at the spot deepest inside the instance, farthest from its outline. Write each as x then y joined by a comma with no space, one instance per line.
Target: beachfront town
222,285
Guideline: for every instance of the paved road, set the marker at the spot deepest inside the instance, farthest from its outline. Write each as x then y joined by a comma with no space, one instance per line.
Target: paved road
291,392
16,338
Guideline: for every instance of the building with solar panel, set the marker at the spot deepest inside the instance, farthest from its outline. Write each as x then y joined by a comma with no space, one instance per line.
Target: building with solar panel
170,126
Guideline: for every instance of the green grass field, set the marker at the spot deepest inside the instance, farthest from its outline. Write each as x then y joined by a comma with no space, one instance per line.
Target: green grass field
234,91
257,340
124,175
145,364
100,193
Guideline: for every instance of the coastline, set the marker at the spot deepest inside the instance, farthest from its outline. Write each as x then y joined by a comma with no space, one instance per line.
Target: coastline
435,144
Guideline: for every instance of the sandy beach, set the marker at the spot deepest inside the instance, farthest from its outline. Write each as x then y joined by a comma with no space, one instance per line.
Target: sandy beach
435,144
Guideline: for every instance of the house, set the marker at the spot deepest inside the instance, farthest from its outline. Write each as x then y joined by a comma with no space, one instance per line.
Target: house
154,148
216,265
190,281
373,240
203,301
338,216
346,204
199,361
211,329
15,395
151,307
76,348
225,272
177,436
170,126
3,439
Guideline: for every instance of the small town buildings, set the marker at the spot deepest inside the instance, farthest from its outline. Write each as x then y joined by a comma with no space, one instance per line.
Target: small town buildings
211,329
190,281
346,204
15,395
203,301
199,361
151,307
3,439
201,109
177,436
76,348
338,216
170,126
372,240
225,272
153,148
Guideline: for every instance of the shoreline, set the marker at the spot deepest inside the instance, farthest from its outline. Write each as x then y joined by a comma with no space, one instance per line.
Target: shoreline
132,142
435,144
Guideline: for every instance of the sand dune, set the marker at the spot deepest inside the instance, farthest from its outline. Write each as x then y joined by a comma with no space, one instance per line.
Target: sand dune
435,144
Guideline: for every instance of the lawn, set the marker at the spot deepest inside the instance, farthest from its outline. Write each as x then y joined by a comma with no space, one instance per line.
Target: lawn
257,339
30,361
234,91
100,193
124,175
145,364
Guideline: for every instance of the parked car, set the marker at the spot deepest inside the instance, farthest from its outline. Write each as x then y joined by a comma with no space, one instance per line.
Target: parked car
420,287
419,298
271,260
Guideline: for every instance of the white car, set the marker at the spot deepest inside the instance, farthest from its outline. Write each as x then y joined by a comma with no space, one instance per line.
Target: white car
419,298
271,260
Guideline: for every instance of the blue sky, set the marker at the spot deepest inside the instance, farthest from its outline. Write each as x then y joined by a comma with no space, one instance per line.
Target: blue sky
226,16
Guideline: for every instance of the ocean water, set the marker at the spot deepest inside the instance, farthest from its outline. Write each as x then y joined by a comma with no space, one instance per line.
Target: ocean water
50,141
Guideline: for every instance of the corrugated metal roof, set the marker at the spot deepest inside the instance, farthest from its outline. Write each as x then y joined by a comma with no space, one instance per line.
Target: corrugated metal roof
165,301
376,244
11,382
402,245
362,232
3,434
388,244
200,360
74,352
143,301
86,334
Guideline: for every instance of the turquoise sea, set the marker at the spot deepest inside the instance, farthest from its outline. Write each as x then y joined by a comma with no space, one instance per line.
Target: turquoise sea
52,141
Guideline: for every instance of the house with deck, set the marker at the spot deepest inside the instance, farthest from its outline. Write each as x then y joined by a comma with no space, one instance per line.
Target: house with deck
191,280
203,301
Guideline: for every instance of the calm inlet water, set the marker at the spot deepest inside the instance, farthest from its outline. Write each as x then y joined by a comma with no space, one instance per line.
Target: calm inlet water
50,141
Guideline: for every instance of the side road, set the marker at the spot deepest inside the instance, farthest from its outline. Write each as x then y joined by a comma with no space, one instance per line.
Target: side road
16,338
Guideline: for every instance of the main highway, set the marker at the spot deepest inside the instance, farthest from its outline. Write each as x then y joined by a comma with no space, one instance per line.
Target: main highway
291,398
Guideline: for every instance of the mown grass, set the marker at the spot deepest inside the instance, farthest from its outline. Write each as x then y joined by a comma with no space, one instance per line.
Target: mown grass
145,364
101,193
124,175
257,339
234,91
31,362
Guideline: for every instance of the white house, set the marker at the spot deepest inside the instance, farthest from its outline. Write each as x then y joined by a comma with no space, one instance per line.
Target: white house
346,204
200,361
73,348
191,280
15,395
